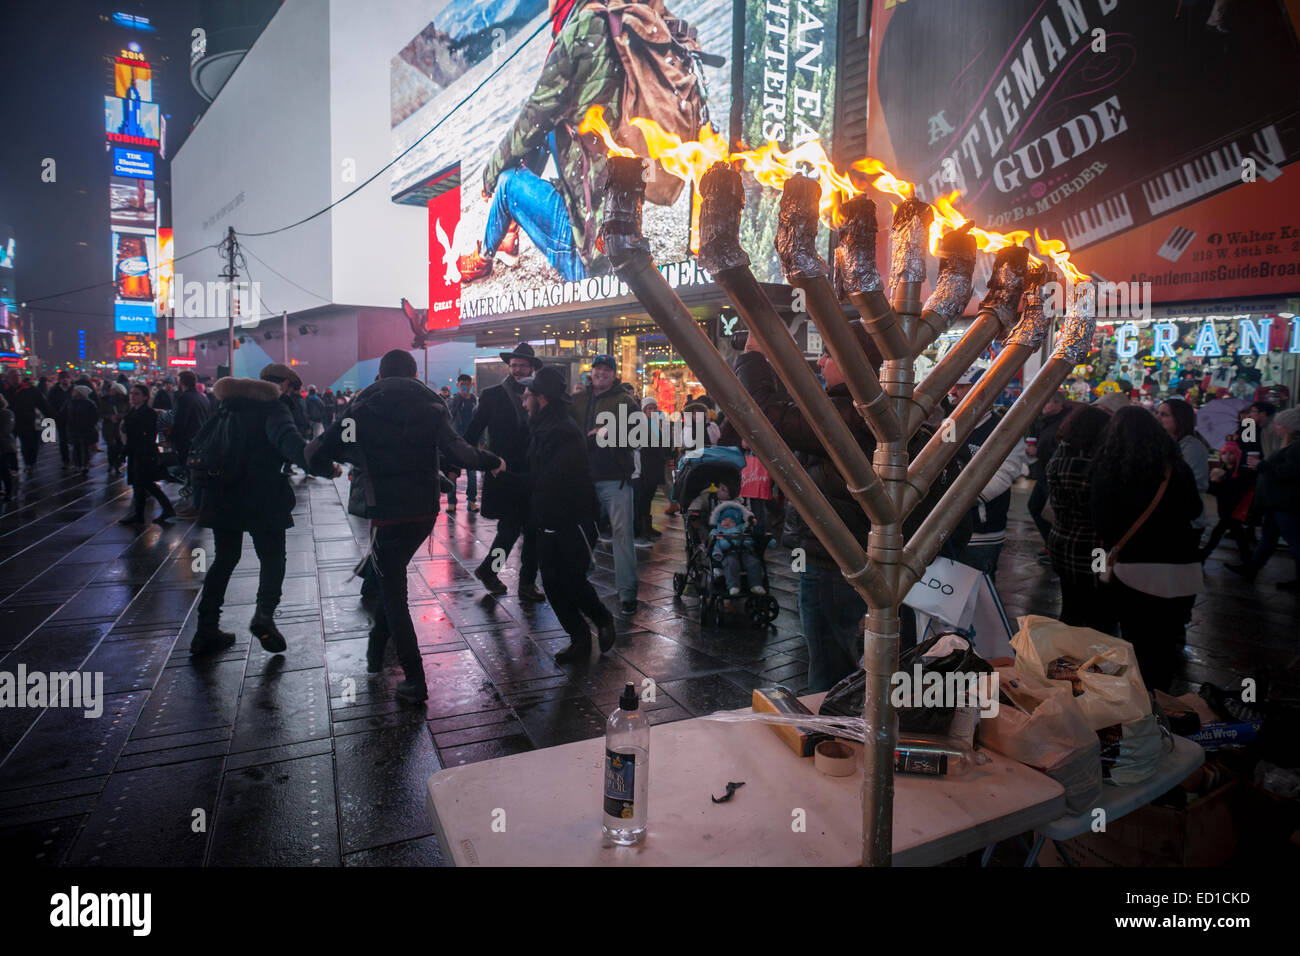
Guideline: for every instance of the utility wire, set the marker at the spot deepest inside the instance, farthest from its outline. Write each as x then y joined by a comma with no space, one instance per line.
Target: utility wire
317,295
468,96
108,282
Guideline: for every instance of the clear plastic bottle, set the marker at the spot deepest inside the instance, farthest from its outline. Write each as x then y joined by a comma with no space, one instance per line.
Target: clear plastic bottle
626,780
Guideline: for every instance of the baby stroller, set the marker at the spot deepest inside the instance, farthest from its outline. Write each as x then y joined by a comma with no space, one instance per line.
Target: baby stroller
697,472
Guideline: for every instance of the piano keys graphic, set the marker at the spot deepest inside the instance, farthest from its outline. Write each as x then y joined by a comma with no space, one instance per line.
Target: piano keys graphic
1176,244
1180,185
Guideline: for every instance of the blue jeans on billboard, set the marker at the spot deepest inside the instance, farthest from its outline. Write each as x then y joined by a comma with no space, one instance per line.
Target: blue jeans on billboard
524,197
831,613
616,501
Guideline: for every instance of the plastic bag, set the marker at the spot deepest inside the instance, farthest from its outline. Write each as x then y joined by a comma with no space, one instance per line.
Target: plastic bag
1053,737
846,698
1105,679
1130,752
947,591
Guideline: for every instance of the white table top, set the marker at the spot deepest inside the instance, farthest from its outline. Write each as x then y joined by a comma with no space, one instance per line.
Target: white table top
543,808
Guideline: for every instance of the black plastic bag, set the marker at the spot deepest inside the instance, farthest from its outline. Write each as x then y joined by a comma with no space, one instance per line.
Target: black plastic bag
845,699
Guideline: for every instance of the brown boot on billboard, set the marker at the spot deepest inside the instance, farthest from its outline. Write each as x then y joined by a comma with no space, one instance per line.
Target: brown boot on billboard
474,266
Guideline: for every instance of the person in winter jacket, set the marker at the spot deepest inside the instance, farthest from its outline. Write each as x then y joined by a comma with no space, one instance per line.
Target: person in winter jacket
461,408
989,515
162,397
252,496
314,406
1178,418
190,410
81,413
606,414
732,543
113,406
1233,487
1044,432
1156,575
30,410
143,469
501,414
400,426
290,385
1072,539
57,399
562,510
654,456
1277,495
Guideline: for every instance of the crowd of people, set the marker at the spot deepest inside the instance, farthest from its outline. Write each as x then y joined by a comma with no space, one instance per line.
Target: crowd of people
1117,492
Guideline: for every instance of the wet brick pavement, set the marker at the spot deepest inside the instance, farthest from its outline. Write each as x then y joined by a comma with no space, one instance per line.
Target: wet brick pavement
303,758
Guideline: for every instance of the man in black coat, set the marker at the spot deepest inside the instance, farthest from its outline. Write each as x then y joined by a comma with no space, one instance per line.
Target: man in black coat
189,413
1056,410
257,499
163,397
393,432
30,408
290,385
562,511
501,412
57,400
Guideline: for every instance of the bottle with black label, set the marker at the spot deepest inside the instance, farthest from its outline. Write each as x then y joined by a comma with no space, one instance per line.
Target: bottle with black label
627,771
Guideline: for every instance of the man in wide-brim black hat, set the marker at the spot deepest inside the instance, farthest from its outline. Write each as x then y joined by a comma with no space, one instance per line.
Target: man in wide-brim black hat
501,412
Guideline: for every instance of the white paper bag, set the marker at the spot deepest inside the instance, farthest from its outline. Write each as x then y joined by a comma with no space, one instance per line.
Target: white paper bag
948,592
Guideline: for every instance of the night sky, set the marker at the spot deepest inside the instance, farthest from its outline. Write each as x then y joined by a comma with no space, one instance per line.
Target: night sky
58,57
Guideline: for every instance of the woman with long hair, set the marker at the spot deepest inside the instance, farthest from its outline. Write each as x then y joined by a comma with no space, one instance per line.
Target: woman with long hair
1072,538
1144,502
1178,419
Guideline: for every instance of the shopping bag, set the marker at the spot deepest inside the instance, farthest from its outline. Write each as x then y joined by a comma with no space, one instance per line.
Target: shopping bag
1043,727
947,591
755,482
1099,670
1131,751
990,630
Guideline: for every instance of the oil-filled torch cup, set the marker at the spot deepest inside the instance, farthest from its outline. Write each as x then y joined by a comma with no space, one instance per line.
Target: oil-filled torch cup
952,290
720,253
998,314
1024,340
622,241
804,268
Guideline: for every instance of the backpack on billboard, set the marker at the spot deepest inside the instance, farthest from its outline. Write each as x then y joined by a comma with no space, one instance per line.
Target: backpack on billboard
217,454
659,53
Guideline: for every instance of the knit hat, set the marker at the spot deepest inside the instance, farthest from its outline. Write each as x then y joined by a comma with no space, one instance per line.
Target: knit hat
1289,419
549,383
648,401
277,373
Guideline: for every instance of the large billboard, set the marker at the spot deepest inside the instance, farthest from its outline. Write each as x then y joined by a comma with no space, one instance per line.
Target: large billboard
132,202
133,162
132,74
528,181
135,266
1111,124
132,121
134,317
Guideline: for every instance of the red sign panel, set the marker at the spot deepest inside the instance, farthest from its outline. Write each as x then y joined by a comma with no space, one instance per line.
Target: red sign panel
444,277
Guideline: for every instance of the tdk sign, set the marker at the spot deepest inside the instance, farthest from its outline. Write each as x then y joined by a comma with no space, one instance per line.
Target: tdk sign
132,162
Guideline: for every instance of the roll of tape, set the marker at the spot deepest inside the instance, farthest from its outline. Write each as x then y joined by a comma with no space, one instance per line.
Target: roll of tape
835,758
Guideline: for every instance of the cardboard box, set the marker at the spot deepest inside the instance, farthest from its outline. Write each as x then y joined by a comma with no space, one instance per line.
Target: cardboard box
778,700
1200,834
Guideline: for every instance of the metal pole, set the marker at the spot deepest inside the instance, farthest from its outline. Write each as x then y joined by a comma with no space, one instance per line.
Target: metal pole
284,329
229,275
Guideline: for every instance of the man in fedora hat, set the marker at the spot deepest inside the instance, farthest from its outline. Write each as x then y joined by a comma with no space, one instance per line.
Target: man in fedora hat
501,412
562,512
290,386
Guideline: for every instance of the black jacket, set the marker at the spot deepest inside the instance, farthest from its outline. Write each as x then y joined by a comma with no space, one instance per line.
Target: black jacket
141,429
293,402
190,412
29,406
400,425
562,493
1167,537
1278,486
262,498
57,401
81,415
1044,430
501,413
759,379
162,400
113,406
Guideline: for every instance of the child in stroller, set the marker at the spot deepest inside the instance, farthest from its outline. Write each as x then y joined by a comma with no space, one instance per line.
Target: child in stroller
710,481
733,544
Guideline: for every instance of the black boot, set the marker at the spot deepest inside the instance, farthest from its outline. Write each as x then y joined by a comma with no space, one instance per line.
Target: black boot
263,627
412,692
209,638
605,634
578,650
